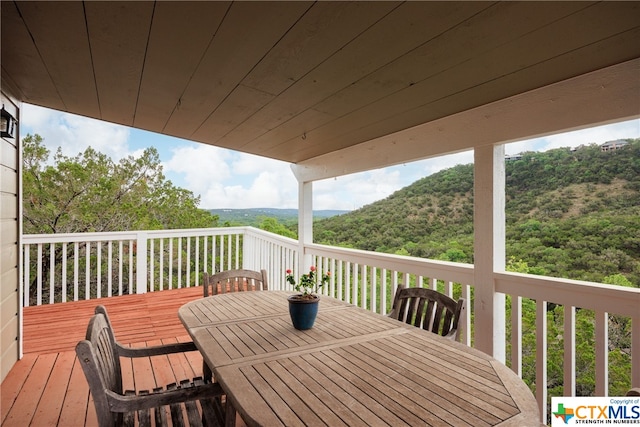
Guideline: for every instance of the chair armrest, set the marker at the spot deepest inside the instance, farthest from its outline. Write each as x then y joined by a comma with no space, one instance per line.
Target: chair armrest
126,403
156,350
634,392
452,335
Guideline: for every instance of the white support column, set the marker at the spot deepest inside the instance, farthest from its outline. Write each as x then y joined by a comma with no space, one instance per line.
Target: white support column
305,223
489,249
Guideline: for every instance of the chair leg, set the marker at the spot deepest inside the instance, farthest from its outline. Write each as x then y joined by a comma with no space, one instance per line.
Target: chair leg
230,414
206,372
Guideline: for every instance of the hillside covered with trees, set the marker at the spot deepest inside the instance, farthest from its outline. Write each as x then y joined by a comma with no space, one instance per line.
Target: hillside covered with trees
570,213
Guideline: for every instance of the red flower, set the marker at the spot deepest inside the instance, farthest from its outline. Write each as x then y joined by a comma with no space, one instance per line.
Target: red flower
288,271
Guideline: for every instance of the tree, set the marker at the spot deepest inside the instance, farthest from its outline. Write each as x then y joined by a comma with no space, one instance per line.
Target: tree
92,193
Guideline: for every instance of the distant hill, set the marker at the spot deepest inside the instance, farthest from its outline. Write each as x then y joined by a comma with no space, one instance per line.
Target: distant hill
253,217
569,213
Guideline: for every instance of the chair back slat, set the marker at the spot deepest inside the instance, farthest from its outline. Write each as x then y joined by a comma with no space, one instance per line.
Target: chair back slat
234,281
428,309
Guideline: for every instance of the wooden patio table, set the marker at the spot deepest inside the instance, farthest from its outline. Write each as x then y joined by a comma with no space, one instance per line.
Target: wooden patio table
354,368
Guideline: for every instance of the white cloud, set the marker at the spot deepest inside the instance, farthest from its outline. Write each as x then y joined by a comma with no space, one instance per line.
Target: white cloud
75,133
356,190
200,166
227,179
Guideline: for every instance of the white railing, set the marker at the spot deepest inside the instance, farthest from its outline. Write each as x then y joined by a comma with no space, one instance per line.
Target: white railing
71,267
175,258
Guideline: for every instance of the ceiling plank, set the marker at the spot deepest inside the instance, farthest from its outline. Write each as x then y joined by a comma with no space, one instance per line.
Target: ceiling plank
604,96
63,53
247,32
379,45
118,35
322,31
499,73
20,62
180,34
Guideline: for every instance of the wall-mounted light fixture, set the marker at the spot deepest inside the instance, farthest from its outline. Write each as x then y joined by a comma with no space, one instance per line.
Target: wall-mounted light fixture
7,124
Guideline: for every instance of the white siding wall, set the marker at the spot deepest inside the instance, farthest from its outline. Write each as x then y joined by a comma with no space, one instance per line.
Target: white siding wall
9,246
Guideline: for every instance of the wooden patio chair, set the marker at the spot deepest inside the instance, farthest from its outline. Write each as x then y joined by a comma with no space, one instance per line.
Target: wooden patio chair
231,281
234,281
428,309
99,355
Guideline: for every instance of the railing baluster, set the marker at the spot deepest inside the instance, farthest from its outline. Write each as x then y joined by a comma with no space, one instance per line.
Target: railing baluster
214,247
109,267
569,380
197,270
229,252
221,264
120,267
131,267
27,276
64,272
516,334
161,256
151,265
541,358
52,272
170,264
237,251
39,278
99,270
140,249
87,270
188,272
375,307
179,262
602,353
76,269
205,258
635,350
467,320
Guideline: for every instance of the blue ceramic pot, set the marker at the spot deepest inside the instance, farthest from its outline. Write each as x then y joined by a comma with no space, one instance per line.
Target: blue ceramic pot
303,312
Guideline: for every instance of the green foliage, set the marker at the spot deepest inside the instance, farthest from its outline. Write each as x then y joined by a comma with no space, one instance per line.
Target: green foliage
90,192
309,283
273,226
569,213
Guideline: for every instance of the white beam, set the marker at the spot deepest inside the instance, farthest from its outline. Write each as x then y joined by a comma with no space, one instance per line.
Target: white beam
305,222
489,249
604,96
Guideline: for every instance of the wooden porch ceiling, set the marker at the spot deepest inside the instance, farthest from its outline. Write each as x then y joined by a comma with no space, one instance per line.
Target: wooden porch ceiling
297,81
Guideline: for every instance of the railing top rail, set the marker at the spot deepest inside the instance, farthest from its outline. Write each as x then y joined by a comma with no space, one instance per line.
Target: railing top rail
458,272
128,235
276,238
577,293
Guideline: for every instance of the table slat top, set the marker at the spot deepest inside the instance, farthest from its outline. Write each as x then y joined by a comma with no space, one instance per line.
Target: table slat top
352,368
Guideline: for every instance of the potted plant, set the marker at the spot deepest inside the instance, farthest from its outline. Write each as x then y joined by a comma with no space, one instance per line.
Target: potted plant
303,306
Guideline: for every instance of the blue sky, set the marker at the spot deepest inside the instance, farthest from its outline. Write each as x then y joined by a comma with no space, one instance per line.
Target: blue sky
228,179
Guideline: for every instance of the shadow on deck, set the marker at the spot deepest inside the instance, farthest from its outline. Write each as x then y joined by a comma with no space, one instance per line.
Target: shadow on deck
47,387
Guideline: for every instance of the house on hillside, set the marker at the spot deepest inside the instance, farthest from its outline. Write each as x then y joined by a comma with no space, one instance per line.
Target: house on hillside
613,145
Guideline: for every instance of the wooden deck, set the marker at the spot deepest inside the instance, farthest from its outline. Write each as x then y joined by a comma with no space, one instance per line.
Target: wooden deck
48,388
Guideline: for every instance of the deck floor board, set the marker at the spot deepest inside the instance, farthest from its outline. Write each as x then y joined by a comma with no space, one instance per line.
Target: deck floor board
47,386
